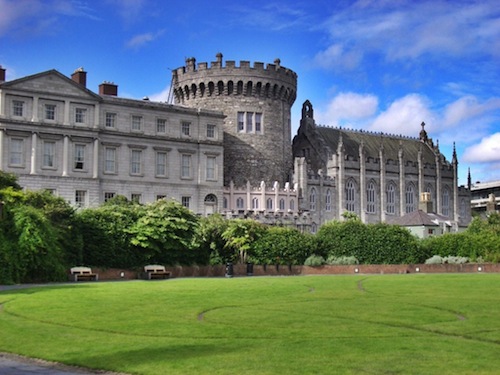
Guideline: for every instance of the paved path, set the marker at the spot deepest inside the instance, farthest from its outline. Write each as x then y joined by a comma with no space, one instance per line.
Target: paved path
11,364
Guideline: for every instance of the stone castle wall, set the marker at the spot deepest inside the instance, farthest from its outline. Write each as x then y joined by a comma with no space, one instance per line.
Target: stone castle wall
257,102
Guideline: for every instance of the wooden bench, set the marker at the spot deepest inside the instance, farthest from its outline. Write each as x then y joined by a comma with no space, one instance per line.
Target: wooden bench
83,274
155,271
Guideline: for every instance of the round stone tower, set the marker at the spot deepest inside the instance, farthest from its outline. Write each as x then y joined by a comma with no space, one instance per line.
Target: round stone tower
257,104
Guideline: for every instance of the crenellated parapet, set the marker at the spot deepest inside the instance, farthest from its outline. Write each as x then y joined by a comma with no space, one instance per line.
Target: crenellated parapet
265,81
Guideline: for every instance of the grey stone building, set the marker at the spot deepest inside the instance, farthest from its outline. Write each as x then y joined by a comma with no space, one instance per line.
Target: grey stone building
56,134
379,177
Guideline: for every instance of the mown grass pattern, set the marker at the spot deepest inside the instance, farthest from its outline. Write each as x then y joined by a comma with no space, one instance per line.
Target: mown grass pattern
391,324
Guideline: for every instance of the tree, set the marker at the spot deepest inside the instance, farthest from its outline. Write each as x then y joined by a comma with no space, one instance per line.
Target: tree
240,236
165,232
211,245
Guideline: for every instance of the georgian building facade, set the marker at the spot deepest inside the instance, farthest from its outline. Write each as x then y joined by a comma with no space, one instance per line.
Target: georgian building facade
57,135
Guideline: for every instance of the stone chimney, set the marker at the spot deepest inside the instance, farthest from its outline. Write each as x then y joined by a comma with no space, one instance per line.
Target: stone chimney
80,76
2,74
425,203
108,88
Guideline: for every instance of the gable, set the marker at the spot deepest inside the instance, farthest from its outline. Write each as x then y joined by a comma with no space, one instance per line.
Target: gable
51,83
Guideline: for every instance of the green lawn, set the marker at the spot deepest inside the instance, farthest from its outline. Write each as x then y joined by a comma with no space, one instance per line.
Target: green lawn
363,324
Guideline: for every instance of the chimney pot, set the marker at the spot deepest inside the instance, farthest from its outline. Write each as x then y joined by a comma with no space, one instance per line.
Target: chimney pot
80,76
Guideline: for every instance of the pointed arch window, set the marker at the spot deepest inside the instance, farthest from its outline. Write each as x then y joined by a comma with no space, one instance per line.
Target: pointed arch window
370,198
255,204
312,200
410,198
446,202
269,204
240,204
391,199
350,195
328,200
282,204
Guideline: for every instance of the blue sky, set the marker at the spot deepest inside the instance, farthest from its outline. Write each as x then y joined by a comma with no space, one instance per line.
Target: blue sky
373,65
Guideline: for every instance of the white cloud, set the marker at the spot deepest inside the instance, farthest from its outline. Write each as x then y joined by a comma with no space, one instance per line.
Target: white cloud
488,150
349,107
408,30
142,39
404,116
161,96
468,107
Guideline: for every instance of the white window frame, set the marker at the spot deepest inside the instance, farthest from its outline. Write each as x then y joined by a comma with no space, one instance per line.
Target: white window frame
16,152
110,160
161,161
18,108
50,112
80,115
161,126
49,153
186,166
81,198
110,120
211,131
79,157
186,129
186,201
211,168
135,162
136,123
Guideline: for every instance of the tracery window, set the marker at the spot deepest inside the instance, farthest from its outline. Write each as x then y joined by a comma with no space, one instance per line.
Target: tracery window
328,200
410,199
312,200
370,198
446,202
350,195
391,199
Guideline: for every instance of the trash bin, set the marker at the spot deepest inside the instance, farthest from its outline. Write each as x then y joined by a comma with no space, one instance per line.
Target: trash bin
229,269
249,269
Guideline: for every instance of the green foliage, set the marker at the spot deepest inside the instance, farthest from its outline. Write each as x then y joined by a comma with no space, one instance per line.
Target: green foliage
343,260
372,244
105,235
314,260
165,231
210,243
9,180
240,236
281,245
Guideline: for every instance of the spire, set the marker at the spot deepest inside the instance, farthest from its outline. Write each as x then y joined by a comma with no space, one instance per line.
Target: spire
469,179
423,133
454,158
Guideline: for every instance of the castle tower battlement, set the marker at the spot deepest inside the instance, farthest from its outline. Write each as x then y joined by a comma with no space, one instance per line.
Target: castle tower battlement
256,101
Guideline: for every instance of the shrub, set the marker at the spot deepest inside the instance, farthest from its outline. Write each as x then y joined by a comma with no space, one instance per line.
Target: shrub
314,261
455,260
435,259
343,260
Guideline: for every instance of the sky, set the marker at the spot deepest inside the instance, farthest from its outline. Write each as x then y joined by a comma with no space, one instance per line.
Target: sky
377,65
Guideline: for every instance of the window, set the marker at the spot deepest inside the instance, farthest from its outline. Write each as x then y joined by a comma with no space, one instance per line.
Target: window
185,166
80,197
136,197
224,203
269,204
161,164
350,196
186,129
79,157
50,112
16,151
80,114
258,122
391,199
186,201
255,204
240,204
110,120
328,200
18,108
282,204
161,125
160,197
370,198
48,154
135,162
108,196
110,160
312,200
211,168
410,199
136,123
211,131
249,122
241,122
292,204
446,202
463,209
